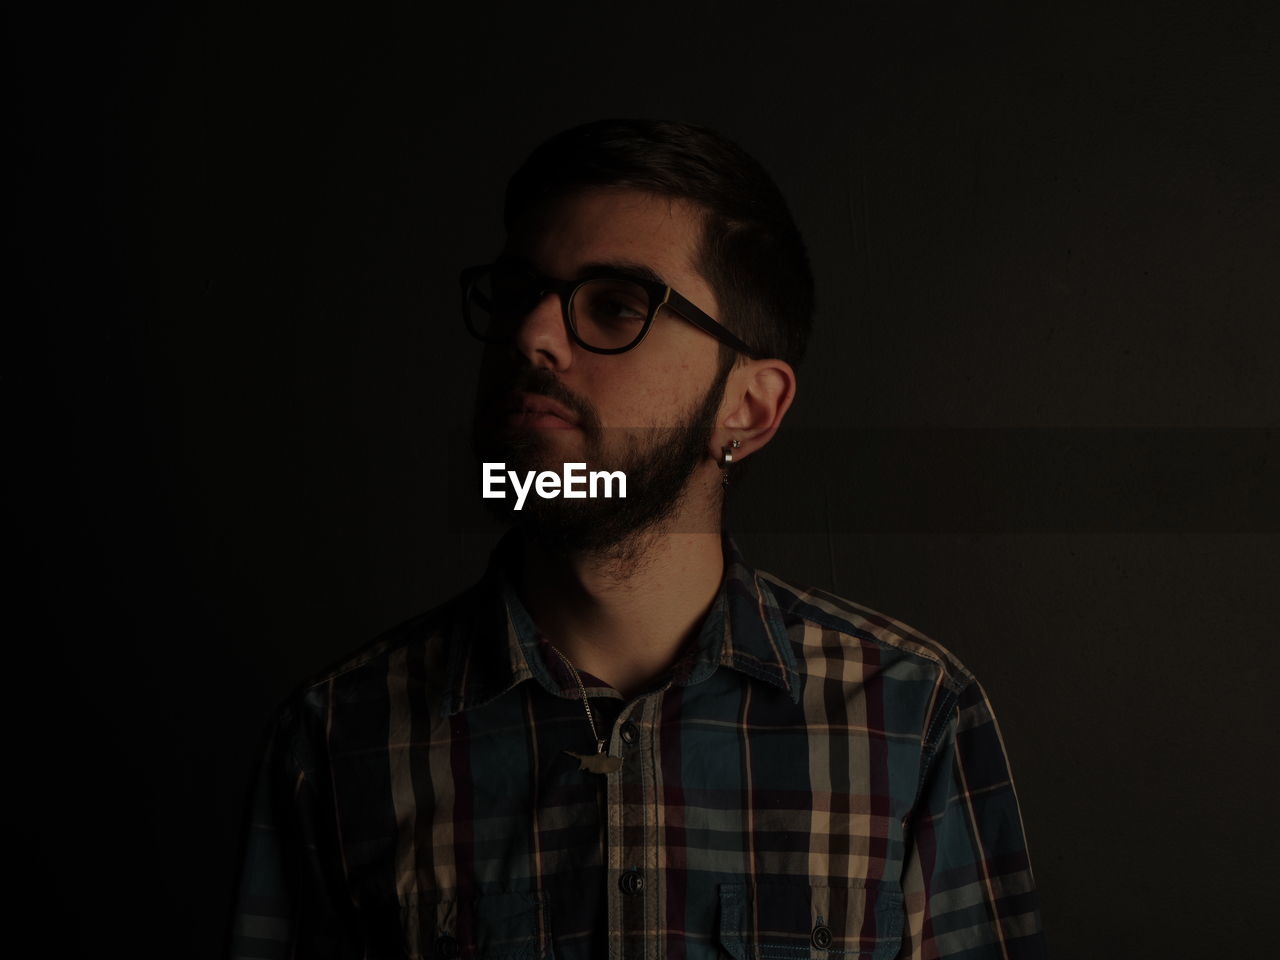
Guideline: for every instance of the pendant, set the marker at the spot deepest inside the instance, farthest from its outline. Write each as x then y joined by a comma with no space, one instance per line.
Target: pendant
600,763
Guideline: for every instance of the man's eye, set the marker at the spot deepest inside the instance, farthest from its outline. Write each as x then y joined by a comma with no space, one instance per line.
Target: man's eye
613,302
617,310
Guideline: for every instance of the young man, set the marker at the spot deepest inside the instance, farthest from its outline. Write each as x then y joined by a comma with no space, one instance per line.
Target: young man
624,741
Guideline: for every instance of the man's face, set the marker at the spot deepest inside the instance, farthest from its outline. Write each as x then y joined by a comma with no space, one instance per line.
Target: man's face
543,400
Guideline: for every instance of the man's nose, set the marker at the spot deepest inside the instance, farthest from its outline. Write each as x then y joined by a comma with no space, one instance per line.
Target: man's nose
541,335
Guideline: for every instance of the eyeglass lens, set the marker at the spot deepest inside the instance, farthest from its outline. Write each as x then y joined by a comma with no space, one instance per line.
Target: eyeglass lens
606,312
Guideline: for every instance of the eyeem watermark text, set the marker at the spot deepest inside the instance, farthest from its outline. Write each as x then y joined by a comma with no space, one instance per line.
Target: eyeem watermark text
574,484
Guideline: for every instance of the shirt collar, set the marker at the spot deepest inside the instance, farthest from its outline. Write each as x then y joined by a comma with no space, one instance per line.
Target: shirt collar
495,644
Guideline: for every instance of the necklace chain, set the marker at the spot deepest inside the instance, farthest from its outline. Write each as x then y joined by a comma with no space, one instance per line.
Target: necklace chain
585,702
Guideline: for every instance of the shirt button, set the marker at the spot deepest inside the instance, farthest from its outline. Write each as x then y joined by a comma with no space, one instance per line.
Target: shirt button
821,937
446,947
630,732
631,882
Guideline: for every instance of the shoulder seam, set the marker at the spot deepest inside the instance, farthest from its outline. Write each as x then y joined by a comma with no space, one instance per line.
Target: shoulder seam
955,674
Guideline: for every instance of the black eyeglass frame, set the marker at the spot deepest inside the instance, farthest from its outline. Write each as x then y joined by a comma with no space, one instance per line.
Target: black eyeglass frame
660,295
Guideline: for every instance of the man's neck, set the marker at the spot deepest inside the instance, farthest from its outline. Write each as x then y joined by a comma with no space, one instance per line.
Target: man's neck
624,619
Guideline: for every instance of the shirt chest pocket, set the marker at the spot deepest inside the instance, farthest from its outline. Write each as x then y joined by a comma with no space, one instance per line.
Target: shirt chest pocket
496,926
802,920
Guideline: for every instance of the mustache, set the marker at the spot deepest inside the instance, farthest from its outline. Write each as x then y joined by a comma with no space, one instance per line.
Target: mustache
542,382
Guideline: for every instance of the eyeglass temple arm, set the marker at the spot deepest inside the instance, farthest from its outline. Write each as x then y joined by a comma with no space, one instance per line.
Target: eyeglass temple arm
705,323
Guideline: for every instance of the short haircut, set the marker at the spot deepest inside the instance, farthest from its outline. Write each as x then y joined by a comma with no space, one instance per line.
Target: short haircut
751,252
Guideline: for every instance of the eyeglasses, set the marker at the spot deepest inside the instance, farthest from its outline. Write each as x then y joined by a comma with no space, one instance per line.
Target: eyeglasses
608,311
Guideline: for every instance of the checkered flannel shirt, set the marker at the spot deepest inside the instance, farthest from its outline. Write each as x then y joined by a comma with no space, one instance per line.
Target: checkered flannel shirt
812,779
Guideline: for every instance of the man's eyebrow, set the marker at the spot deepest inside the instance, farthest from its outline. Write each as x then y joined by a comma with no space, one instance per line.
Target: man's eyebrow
631,269
624,268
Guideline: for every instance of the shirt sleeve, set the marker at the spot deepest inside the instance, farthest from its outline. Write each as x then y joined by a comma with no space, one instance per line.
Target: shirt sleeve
969,889
292,900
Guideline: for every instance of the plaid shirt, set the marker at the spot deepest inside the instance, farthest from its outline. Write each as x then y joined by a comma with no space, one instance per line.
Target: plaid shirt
811,779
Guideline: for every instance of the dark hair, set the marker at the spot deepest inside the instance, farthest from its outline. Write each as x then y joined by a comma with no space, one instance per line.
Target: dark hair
751,252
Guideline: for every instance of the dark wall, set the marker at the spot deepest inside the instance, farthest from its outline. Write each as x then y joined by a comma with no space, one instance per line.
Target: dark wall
1038,421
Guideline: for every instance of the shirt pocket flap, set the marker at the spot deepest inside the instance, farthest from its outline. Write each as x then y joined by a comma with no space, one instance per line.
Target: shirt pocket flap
795,920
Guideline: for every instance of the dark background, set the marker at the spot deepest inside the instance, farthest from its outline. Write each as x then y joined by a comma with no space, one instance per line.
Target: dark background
1038,421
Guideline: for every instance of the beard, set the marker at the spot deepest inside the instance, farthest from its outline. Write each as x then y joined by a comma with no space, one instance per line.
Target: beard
658,463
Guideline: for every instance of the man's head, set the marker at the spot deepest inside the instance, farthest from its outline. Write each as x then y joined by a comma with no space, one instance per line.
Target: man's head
749,249
683,207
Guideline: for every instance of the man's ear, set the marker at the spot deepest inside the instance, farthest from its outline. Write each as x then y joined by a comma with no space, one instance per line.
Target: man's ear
757,396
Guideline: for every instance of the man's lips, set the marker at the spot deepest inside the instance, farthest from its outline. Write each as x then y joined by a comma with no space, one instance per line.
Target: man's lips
535,410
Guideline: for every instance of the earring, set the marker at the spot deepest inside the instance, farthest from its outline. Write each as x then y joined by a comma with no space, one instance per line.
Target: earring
728,459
